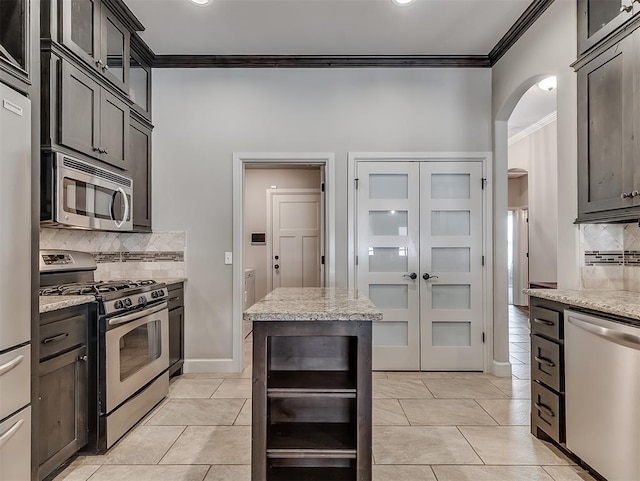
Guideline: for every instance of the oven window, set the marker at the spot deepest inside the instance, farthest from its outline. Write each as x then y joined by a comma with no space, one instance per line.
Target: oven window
139,348
86,199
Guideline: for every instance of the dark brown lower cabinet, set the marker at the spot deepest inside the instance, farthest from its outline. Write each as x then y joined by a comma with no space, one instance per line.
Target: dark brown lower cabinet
311,414
63,395
176,328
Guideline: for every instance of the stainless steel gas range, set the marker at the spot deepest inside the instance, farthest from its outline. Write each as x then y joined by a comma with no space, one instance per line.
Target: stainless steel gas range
128,342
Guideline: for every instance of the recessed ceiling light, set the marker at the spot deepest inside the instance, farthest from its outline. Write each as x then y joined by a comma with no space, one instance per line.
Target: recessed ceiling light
201,2
402,3
548,84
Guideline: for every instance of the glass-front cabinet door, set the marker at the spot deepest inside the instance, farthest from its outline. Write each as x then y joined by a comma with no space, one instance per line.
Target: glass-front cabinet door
599,18
81,29
139,84
115,50
14,33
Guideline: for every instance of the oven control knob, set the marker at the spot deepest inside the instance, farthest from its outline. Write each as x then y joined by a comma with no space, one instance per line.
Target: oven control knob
127,302
142,300
118,305
154,294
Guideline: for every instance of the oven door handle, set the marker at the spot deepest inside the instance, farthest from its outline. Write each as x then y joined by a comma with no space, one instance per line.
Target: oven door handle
114,321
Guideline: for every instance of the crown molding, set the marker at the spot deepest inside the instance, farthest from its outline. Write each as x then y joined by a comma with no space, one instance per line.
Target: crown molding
320,61
543,122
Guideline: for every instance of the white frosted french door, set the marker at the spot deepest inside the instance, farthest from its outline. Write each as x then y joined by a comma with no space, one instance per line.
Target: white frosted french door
451,272
419,259
387,238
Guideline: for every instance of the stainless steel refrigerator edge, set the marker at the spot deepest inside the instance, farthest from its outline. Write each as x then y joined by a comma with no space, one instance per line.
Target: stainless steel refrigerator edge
603,394
15,285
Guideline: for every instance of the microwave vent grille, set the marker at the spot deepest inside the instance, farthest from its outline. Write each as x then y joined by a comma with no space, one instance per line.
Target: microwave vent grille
96,171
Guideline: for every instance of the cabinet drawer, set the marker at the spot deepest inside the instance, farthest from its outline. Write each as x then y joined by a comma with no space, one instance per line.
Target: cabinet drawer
62,335
547,411
546,322
546,362
176,297
15,439
15,386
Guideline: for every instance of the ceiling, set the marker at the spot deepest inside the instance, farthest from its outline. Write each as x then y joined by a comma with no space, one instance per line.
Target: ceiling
326,27
534,105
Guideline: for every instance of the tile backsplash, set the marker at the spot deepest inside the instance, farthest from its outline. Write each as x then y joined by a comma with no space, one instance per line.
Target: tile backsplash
123,255
611,256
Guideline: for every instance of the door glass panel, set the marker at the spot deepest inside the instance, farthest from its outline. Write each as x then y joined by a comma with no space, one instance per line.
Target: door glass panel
450,222
451,296
138,81
388,222
602,12
389,296
139,348
388,186
13,33
388,259
390,333
115,50
447,333
82,24
451,259
450,186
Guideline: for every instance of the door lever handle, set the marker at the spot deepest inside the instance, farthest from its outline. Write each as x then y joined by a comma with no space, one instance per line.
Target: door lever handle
413,276
426,276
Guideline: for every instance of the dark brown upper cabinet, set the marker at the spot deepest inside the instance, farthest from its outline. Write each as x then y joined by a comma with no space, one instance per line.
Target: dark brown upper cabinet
140,170
97,36
93,121
608,149
597,19
14,38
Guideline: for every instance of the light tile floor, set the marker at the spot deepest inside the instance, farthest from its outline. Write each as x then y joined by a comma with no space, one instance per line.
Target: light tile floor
426,427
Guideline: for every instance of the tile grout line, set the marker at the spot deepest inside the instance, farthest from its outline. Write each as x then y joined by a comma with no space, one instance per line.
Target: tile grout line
172,444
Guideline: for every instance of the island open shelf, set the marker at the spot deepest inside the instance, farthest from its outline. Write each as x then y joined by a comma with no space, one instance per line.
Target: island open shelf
311,417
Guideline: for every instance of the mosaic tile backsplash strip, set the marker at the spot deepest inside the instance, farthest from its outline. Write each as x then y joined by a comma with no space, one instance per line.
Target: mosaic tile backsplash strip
124,255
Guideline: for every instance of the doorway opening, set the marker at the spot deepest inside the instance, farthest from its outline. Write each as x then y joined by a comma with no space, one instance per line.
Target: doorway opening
532,203
284,207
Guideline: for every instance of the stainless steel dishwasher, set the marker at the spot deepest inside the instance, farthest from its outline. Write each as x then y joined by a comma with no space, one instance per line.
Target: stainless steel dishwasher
603,394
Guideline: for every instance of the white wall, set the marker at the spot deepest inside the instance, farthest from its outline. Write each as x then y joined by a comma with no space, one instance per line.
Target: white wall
547,48
256,183
539,150
202,116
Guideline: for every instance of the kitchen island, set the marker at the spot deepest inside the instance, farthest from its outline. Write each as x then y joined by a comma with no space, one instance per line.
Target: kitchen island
311,415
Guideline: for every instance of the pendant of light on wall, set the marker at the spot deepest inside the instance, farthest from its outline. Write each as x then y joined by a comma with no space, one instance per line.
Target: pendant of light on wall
201,3
402,3
548,84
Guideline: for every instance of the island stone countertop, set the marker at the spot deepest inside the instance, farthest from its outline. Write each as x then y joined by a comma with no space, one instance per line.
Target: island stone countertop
54,303
619,303
313,304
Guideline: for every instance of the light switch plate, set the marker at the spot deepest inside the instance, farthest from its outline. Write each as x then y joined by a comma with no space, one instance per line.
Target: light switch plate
228,258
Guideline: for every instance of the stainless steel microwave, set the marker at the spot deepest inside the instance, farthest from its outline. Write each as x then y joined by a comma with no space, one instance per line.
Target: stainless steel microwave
78,194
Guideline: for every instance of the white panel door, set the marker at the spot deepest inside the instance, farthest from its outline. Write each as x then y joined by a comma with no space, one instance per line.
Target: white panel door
451,272
296,231
387,239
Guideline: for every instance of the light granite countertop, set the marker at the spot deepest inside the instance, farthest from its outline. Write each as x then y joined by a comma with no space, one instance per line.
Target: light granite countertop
54,303
619,303
313,304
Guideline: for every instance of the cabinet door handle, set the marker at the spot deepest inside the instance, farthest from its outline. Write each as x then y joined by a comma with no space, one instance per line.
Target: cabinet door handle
5,368
413,276
543,322
96,149
545,409
11,431
57,338
626,8
99,63
544,360
626,195
173,299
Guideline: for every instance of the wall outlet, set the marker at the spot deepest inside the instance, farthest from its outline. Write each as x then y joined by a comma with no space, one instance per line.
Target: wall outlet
228,258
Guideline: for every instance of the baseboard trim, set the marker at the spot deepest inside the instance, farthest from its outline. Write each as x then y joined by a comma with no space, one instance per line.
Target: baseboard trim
198,366
501,369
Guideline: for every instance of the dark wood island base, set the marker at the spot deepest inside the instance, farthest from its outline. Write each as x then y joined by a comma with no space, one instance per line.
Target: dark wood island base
311,414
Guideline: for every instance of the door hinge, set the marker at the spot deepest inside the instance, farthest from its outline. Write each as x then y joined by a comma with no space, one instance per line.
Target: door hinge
483,182
482,260
483,337
356,182
322,187
356,260
322,260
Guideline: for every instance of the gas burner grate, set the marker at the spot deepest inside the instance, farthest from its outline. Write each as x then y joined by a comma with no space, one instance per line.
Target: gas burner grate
92,288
